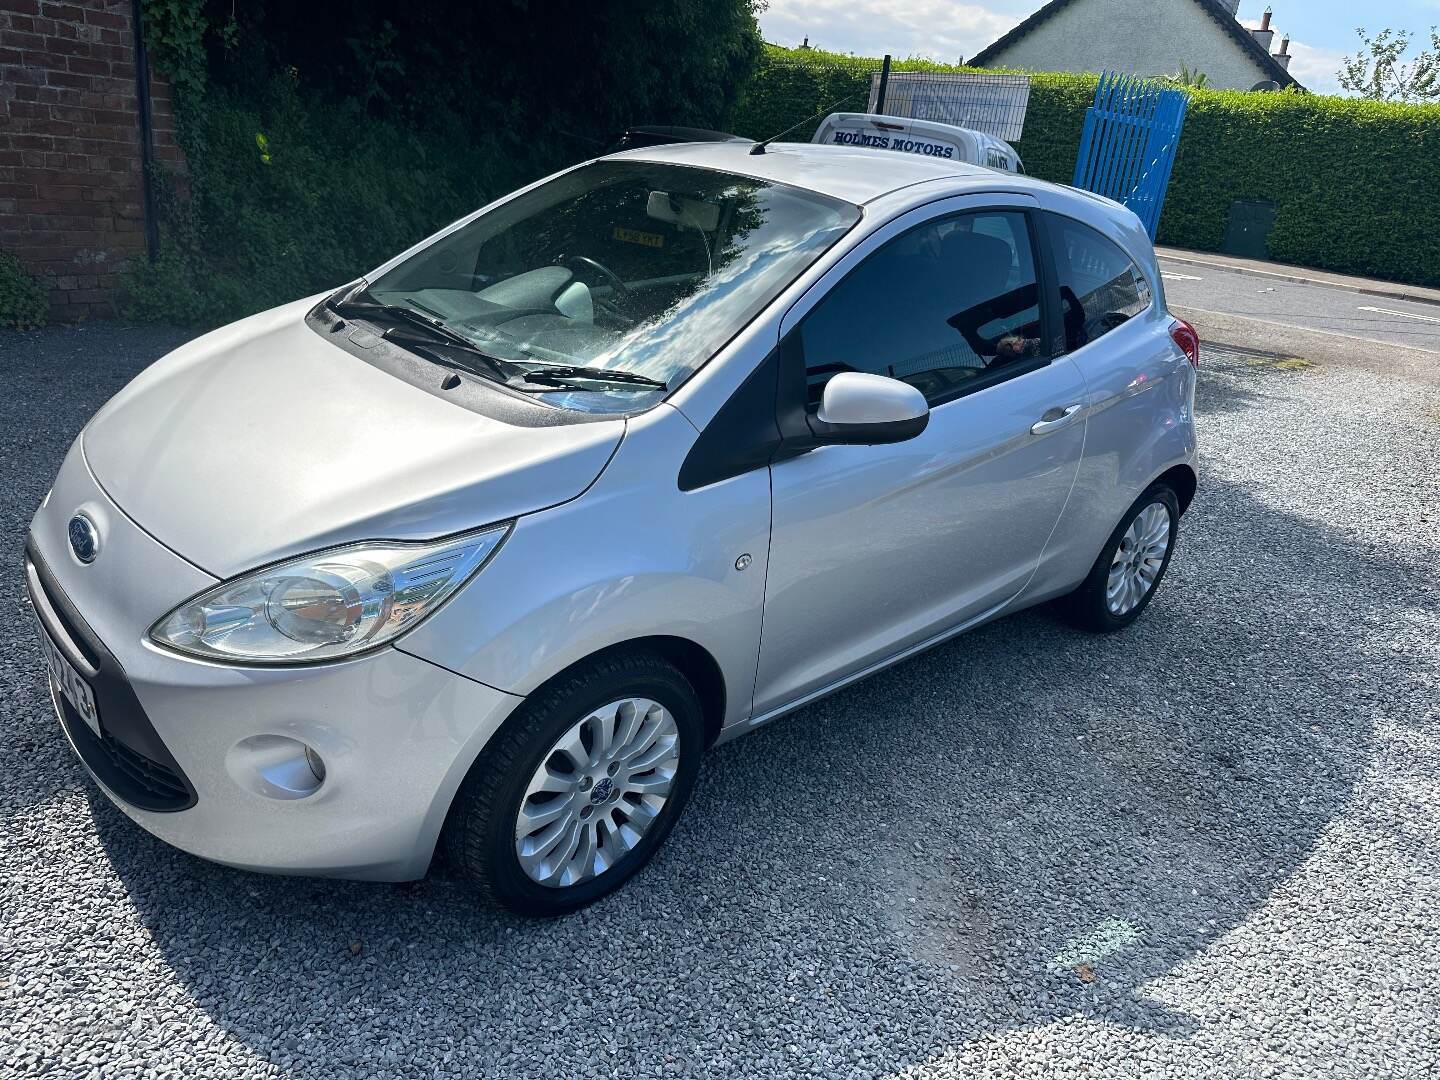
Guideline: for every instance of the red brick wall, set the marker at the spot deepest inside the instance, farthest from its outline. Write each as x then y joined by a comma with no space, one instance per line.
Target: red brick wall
71,199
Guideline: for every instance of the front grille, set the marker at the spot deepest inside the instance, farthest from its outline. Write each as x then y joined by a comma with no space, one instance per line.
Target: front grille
134,777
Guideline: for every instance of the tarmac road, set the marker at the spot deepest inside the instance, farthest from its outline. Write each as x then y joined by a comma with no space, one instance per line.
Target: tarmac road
1374,320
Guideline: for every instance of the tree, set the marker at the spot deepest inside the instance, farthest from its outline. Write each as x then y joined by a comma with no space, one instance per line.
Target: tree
320,137
528,67
1193,79
1378,70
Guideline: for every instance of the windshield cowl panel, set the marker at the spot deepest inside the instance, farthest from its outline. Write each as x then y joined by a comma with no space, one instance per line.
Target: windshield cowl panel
630,267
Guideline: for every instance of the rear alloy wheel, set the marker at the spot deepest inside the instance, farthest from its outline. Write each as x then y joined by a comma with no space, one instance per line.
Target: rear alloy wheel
1124,578
580,787
1138,560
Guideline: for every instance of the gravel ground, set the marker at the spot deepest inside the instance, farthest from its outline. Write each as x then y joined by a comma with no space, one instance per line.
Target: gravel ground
1209,846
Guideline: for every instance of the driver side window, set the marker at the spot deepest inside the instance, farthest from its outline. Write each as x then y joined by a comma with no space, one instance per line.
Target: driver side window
949,307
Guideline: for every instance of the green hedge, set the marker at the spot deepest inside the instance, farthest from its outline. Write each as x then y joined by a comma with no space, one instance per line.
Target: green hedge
24,299
323,137
331,194
1356,184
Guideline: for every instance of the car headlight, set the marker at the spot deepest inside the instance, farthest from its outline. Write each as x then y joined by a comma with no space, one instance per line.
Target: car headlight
331,604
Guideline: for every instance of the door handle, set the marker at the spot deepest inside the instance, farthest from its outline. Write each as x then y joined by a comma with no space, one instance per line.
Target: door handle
1056,418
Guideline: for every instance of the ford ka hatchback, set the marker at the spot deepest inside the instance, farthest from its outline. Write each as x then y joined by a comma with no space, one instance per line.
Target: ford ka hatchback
480,553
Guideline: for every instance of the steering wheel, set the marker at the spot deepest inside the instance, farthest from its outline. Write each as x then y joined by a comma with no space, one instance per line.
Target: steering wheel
622,291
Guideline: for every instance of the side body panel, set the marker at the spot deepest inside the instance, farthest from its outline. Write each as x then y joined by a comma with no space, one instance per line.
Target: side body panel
1141,405
1141,423
633,557
878,547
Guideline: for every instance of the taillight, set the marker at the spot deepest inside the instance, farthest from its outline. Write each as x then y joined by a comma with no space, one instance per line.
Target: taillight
1185,336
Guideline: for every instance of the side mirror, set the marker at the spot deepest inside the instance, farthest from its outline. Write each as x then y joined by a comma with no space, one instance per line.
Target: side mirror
868,410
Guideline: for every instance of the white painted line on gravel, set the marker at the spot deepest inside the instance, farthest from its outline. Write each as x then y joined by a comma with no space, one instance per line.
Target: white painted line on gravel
1233,269
1306,329
1402,314
1300,279
1180,277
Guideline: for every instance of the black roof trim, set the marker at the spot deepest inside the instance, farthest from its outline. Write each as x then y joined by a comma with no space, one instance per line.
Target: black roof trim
1213,8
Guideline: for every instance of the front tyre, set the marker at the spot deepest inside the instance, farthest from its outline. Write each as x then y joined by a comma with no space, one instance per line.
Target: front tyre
578,789
1131,566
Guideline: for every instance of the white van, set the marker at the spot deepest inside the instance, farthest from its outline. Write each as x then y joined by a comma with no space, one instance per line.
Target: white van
928,138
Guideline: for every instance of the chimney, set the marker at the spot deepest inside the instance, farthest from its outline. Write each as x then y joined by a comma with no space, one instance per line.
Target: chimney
1265,36
1283,56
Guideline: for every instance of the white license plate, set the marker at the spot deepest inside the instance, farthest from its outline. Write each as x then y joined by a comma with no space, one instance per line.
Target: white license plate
74,689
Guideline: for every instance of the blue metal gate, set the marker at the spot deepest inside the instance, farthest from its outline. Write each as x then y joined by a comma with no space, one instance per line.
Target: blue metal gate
1128,148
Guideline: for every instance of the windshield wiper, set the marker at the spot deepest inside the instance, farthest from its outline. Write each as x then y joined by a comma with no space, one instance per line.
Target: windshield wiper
446,338
369,309
431,347
566,373
440,335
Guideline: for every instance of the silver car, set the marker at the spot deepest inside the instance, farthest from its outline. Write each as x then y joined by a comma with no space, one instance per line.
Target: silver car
481,552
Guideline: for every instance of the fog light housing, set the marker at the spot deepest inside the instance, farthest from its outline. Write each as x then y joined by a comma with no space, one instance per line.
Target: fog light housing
316,763
276,766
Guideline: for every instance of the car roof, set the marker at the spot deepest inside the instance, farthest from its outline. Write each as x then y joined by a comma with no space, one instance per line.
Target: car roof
842,172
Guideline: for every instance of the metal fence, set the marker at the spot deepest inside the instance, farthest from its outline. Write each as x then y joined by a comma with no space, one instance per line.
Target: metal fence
995,104
1127,150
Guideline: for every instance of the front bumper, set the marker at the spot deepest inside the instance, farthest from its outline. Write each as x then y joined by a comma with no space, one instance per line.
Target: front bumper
397,734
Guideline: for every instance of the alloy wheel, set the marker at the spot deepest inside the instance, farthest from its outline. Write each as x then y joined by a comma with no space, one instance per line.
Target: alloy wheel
597,792
1139,559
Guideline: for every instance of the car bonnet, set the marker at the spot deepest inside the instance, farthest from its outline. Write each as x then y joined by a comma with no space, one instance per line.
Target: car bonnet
263,441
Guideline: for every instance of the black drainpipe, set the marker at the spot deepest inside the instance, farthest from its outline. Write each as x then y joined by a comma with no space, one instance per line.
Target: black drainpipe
147,135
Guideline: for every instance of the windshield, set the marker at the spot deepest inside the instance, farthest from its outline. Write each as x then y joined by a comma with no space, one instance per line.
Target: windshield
631,266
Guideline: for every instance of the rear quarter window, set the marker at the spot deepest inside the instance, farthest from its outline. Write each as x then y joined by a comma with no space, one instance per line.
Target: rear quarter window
1101,287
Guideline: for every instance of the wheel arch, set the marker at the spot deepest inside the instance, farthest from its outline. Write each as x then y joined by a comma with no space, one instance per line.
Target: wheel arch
691,659
1182,480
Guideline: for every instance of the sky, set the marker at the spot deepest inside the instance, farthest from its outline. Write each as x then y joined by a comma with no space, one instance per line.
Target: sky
1321,31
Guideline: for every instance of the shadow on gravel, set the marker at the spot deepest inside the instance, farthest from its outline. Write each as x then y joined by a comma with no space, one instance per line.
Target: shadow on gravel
1025,824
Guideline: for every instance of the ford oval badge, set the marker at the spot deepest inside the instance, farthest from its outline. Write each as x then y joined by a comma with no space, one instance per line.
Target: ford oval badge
84,538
